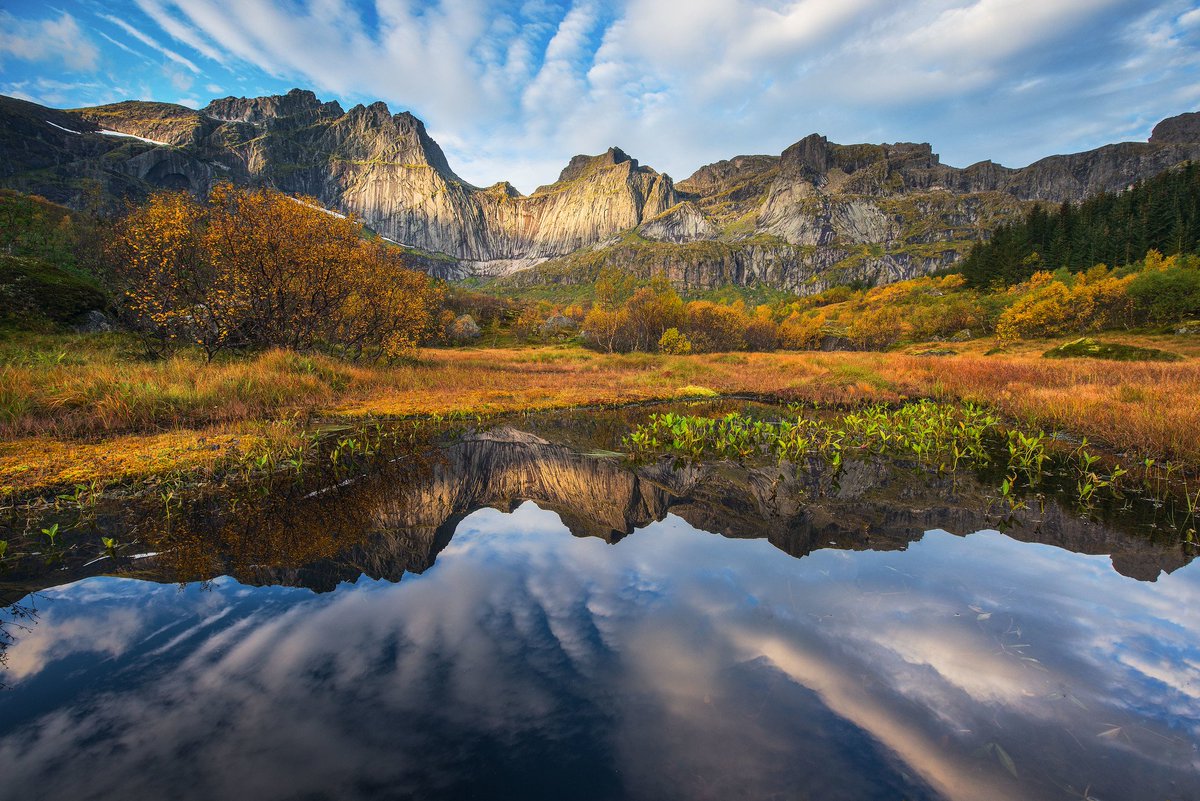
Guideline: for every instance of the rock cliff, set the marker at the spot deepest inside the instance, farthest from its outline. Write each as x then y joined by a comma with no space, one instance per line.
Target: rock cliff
818,214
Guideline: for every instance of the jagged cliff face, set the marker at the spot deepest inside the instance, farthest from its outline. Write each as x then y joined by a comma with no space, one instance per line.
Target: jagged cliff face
822,214
384,168
817,215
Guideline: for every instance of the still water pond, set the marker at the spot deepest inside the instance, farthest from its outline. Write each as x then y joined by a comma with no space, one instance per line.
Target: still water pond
671,662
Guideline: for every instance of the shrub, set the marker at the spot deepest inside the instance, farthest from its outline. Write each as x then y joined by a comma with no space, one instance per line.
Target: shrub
1044,310
762,335
1168,295
674,343
712,327
602,327
802,331
875,328
255,267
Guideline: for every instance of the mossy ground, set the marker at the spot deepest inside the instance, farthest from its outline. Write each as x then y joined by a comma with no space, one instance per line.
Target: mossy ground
1088,348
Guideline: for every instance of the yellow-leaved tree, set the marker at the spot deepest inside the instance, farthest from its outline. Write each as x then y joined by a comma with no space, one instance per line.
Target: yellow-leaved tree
254,267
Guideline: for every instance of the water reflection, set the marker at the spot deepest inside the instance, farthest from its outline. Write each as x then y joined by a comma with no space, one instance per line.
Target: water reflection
677,664
832,642
396,517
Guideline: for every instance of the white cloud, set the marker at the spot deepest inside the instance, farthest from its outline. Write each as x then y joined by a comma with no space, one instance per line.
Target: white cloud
47,40
180,80
119,44
151,43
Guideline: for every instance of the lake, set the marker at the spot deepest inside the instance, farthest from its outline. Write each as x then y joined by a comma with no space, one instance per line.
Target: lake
518,613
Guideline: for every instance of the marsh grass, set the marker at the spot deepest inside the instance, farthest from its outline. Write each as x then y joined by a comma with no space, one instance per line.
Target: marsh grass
79,408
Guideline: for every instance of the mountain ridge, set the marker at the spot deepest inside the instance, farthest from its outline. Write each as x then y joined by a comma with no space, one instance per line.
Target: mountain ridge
818,214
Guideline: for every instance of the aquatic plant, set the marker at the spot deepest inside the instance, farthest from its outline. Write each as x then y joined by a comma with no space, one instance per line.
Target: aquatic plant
1027,453
933,434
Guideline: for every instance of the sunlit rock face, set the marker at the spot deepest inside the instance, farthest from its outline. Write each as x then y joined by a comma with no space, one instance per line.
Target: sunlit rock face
817,215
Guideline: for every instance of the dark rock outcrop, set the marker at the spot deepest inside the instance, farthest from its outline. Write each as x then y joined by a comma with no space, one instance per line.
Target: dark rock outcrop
1182,129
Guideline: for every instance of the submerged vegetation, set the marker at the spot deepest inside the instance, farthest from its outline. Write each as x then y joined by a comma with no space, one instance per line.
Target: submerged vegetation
932,436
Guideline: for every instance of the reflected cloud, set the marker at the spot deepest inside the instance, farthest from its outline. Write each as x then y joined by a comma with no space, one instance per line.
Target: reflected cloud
675,664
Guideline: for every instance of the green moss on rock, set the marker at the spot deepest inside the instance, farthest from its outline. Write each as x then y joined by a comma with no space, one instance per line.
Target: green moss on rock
1086,347
35,288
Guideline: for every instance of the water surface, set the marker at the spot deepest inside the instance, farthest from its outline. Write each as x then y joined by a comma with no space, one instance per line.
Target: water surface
599,641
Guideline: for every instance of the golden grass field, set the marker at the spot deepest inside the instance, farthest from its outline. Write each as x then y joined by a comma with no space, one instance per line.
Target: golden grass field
77,409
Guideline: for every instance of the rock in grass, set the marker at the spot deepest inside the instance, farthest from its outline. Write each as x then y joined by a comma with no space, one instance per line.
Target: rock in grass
1086,347
92,322
464,329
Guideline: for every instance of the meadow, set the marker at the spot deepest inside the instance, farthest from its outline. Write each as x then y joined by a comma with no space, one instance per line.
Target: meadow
87,408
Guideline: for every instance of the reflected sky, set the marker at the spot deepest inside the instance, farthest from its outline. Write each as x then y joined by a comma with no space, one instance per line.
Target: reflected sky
675,664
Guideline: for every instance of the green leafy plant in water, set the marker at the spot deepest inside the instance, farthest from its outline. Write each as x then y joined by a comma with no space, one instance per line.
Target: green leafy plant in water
1091,480
1027,453
110,546
934,434
52,534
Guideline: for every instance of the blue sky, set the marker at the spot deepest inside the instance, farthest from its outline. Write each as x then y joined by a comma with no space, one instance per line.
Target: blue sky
512,89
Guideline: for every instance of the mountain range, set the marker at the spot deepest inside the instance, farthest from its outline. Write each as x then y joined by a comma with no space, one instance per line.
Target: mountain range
817,215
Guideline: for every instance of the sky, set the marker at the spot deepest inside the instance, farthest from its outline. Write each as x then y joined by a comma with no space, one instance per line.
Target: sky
512,89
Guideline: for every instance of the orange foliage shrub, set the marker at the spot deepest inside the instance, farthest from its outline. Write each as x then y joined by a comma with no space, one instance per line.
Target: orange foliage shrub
802,330
255,267
1046,306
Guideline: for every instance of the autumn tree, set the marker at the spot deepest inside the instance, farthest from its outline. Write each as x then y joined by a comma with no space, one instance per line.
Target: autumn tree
258,268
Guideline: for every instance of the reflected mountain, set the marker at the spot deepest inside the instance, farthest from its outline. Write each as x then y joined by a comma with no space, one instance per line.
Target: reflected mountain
397,518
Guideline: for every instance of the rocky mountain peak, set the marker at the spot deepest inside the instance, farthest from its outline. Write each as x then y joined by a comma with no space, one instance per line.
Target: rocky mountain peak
727,172
581,165
503,188
374,133
819,213
1182,129
809,158
258,110
683,222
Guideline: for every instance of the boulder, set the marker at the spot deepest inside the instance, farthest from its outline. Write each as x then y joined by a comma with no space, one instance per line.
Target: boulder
557,325
464,329
92,322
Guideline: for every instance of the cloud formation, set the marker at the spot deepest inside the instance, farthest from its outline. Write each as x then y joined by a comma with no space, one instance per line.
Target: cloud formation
689,664
47,41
